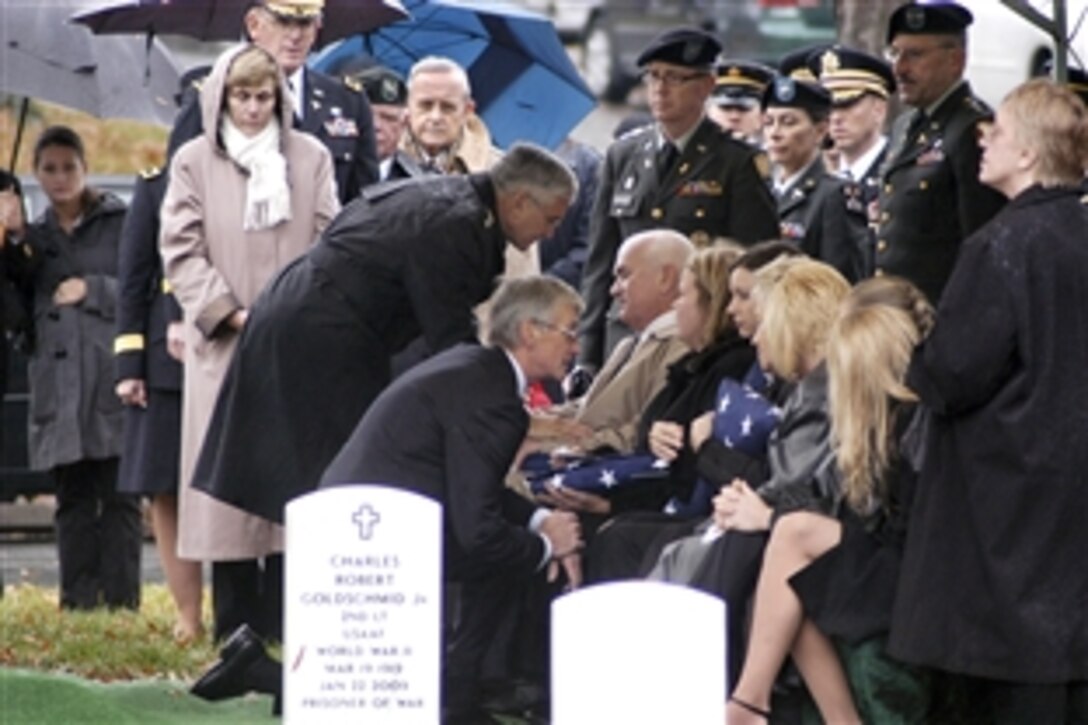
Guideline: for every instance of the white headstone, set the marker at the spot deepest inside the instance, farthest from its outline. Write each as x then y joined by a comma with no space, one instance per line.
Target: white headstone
363,607
638,653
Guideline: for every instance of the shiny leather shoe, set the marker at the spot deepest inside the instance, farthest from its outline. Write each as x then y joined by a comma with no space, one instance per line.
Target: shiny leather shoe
228,677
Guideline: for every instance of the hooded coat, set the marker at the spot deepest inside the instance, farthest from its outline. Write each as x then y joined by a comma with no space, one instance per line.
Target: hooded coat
74,413
215,268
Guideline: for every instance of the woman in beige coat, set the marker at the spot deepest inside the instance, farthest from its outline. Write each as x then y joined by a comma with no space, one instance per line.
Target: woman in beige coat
244,199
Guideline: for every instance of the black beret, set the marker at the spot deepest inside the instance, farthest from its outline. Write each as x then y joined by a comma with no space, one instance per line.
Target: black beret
934,18
786,92
383,86
689,47
741,83
849,73
795,64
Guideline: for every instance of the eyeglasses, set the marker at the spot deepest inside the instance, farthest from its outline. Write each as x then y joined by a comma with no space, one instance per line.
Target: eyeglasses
912,55
570,334
668,78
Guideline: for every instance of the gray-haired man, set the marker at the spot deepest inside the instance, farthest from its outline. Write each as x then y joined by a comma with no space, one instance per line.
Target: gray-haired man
407,259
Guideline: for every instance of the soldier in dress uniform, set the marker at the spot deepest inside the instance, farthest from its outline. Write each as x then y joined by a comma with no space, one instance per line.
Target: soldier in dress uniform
860,85
388,96
684,173
811,202
930,197
735,103
338,114
149,375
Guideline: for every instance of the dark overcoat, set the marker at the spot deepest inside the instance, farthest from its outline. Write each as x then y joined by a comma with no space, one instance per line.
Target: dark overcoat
74,413
994,582
716,188
145,307
931,198
407,258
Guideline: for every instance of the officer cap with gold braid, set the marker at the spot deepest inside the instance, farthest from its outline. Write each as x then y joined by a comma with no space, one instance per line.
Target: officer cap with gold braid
849,74
931,18
740,83
795,65
294,9
689,47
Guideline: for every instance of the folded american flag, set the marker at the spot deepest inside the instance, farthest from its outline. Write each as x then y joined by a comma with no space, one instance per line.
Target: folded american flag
599,474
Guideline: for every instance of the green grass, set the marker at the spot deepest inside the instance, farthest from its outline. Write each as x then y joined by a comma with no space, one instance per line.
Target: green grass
31,697
108,667
99,645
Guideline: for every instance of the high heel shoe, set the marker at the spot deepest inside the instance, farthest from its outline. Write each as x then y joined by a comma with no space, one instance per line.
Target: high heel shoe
765,714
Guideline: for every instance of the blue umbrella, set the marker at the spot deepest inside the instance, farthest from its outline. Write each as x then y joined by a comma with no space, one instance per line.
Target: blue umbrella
523,82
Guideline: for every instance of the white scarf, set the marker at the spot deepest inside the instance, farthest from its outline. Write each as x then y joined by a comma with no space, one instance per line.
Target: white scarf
268,199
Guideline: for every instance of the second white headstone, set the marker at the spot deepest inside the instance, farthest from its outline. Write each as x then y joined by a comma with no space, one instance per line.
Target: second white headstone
638,653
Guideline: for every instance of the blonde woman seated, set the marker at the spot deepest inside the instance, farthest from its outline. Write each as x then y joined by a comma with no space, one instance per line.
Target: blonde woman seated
800,299
827,576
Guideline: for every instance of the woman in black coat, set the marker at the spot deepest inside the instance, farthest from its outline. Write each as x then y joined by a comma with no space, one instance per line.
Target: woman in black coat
994,583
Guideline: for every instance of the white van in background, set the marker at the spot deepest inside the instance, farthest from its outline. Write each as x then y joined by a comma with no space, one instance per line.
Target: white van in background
1004,49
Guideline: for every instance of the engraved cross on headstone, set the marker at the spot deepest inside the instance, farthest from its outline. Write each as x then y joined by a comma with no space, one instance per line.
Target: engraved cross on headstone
365,518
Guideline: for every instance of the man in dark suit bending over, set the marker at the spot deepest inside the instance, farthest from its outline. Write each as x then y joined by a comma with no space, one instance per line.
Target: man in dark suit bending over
449,429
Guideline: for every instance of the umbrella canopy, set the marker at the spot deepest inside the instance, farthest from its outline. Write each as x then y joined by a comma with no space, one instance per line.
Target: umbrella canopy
222,19
44,56
523,82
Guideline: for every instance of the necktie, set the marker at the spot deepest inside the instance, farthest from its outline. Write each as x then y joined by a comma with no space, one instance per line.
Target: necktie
295,100
917,123
666,157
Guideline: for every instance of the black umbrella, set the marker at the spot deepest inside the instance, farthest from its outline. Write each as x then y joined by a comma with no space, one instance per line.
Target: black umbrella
44,56
222,19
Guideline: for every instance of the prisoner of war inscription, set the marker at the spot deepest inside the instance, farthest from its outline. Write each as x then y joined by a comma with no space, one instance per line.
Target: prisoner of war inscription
363,607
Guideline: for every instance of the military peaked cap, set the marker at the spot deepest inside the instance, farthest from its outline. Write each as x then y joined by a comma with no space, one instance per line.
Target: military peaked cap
741,83
848,74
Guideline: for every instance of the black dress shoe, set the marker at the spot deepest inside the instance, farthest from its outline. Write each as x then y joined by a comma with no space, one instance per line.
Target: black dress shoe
228,677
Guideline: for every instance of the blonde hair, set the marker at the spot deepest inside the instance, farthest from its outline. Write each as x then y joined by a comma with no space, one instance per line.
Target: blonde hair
709,270
800,298
1053,122
868,352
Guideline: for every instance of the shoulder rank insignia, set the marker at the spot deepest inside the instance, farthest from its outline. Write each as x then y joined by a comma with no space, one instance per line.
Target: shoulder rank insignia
150,172
763,165
353,83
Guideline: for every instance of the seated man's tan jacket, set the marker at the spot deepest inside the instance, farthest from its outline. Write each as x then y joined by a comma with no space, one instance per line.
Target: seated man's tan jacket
625,385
